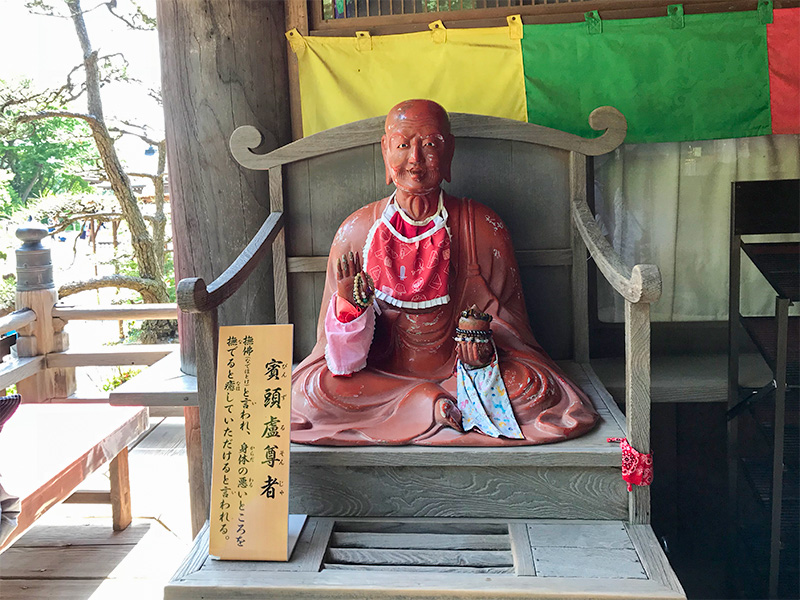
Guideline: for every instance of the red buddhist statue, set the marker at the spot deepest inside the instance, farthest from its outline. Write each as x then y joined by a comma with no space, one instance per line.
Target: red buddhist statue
423,335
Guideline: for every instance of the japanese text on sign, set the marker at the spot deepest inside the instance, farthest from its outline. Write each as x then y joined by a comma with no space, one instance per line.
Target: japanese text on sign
250,483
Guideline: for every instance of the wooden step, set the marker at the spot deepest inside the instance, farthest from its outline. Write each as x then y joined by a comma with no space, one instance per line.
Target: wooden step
443,558
578,478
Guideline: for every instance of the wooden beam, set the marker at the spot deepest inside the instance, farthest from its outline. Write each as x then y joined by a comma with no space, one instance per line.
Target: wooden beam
40,338
540,14
206,330
307,264
17,369
279,267
652,558
296,18
642,283
554,257
580,270
89,497
46,477
521,549
198,504
16,320
238,68
416,557
110,356
138,312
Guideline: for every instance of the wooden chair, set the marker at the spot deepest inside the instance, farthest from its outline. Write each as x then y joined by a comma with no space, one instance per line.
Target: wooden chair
545,519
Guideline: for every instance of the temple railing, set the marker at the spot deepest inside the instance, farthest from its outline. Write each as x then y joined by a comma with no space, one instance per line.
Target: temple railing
42,364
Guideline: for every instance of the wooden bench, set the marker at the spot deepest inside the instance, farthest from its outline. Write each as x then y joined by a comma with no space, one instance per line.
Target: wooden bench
47,450
404,498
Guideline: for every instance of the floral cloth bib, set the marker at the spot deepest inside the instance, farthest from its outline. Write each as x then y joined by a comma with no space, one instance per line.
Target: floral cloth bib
483,401
409,260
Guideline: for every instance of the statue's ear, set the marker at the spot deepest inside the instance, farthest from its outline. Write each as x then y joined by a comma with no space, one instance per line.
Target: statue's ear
447,158
384,148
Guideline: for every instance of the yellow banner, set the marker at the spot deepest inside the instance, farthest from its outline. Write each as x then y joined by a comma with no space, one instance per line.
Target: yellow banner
250,476
465,70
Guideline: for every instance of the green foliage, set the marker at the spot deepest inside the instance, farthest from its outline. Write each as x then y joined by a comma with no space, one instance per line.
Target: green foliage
121,377
45,156
124,264
8,288
6,199
169,276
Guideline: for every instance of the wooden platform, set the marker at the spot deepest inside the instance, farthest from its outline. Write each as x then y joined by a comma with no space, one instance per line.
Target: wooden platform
162,384
423,522
418,558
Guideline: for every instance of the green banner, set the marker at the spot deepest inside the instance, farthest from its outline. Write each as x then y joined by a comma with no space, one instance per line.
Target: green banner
674,78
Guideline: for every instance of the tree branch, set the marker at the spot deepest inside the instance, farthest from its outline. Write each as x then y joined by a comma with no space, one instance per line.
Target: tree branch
147,287
101,217
49,114
148,23
142,136
149,176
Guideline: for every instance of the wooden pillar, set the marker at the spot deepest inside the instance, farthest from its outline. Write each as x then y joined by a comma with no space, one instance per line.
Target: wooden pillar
36,291
296,18
223,65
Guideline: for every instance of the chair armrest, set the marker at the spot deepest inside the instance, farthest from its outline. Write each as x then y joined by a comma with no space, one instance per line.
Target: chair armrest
194,296
642,283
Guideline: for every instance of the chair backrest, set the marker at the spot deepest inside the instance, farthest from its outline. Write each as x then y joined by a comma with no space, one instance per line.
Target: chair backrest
521,171
527,185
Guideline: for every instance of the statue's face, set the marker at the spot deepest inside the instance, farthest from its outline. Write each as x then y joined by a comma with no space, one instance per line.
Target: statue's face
417,147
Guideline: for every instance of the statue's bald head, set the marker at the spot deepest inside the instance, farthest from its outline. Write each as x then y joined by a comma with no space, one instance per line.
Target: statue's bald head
418,110
418,134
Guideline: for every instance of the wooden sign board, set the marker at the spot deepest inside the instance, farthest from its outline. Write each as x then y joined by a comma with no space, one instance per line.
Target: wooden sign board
250,476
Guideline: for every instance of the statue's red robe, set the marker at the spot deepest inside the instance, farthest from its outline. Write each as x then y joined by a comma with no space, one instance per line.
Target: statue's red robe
411,361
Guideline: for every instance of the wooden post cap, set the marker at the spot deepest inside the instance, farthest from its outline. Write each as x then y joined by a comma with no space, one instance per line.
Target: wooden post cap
34,264
31,237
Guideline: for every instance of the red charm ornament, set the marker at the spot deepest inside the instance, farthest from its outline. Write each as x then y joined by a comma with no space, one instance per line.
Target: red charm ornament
637,468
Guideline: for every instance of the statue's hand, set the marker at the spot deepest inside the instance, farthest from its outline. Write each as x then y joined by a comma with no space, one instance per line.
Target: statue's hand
346,269
475,354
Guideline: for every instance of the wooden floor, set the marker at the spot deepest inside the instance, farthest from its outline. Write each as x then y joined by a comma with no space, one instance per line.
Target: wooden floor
73,554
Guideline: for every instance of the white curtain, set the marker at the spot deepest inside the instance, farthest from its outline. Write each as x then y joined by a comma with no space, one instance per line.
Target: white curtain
669,204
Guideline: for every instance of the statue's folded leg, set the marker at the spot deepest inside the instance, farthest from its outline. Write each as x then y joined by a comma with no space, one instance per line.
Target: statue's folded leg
547,406
370,407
